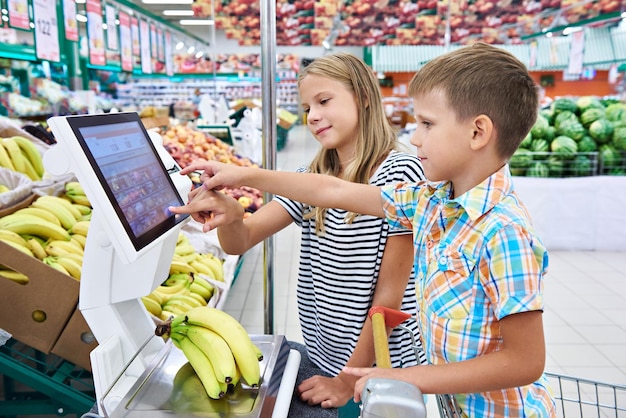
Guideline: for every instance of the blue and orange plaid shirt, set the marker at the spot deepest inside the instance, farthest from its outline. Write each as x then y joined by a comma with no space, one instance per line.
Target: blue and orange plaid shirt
477,260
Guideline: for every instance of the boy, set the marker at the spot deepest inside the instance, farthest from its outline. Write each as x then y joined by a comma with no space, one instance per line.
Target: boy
479,265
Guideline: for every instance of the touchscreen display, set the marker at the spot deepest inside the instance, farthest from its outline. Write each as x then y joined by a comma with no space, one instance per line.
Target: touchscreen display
131,173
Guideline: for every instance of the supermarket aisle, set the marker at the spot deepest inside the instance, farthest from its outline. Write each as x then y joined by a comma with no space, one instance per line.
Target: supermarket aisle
585,295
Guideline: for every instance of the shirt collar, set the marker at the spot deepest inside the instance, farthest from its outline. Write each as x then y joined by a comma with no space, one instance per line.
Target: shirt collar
481,198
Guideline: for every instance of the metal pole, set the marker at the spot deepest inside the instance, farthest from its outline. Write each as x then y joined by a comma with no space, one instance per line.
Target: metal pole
268,103
447,35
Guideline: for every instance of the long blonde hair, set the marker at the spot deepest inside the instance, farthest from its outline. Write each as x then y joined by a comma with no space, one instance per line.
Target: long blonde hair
375,137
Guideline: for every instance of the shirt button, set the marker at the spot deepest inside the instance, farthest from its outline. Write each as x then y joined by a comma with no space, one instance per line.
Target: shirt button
429,244
443,260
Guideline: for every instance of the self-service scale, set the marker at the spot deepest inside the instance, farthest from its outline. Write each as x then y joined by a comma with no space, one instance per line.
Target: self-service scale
131,180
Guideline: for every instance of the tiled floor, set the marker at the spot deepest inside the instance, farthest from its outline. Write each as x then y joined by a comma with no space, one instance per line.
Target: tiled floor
585,298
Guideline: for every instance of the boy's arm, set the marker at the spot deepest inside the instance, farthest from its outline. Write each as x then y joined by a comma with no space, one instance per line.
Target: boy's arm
520,362
313,189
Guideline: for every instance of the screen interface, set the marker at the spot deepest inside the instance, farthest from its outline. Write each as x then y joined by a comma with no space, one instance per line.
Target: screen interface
133,177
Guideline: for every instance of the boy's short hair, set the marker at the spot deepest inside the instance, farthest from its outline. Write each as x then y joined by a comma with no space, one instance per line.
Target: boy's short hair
484,79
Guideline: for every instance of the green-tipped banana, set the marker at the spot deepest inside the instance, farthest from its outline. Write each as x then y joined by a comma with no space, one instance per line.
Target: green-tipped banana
52,262
197,289
65,217
215,348
42,213
33,225
32,154
74,187
235,336
203,368
63,202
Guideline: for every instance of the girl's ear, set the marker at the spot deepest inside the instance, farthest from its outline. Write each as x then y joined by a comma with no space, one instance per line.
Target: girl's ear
484,132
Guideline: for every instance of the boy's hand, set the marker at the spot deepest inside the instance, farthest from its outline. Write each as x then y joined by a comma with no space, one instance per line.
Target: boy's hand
367,373
211,208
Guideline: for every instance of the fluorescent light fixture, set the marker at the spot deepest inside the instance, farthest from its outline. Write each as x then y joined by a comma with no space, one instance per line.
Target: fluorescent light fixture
191,49
178,12
80,1
105,26
81,18
167,1
199,54
196,22
571,29
180,45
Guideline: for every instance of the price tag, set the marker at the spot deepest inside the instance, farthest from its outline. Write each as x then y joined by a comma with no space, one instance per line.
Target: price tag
46,30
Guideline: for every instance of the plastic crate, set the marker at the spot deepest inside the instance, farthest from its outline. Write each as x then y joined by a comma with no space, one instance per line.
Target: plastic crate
613,167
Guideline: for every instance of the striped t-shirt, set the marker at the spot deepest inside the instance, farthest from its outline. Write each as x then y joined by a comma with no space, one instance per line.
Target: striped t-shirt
338,273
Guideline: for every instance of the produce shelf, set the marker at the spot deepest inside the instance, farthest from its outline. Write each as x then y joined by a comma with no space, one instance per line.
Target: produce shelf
35,383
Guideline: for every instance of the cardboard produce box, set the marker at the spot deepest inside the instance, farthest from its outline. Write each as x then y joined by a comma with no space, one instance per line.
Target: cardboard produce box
35,313
76,341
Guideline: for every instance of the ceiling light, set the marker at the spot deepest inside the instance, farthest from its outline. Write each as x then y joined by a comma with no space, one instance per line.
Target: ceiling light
178,12
191,49
81,17
571,29
167,1
199,54
196,22
180,45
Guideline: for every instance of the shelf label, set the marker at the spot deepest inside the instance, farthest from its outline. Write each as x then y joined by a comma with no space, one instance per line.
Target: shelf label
46,30
18,14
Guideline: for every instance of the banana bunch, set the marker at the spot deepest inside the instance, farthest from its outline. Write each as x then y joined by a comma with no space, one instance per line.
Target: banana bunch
51,229
187,260
20,154
76,194
217,347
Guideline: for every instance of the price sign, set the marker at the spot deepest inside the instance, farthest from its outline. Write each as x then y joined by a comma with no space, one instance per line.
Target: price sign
46,30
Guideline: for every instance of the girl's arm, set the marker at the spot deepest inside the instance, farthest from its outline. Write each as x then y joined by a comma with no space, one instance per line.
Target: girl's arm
520,362
313,189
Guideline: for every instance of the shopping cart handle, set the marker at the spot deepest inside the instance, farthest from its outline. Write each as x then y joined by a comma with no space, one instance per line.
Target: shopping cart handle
383,317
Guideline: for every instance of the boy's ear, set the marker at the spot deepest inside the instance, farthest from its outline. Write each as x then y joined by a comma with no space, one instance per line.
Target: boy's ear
484,132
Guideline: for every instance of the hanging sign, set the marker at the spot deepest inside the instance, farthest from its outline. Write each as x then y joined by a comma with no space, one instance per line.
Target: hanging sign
160,49
576,53
169,64
134,32
69,18
146,59
126,42
112,43
18,14
153,41
95,33
46,30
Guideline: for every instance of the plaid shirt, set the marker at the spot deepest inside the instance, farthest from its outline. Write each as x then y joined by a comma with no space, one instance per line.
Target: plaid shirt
477,260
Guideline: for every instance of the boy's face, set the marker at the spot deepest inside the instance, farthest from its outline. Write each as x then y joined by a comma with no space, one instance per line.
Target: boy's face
442,140
332,114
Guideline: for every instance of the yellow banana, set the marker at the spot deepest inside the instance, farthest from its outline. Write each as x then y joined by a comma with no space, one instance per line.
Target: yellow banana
51,261
202,282
61,212
80,227
33,225
180,266
259,353
157,297
32,154
72,267
203,368
76,257
79,199
5,158
4,188
15,276
79,239
23,248
165,315
151,306
171,290
184,249
63,202
189,396
6,235
214,263
197,289
17,158
176,309
182,238
37,249
189,257
58,248
42,213
174,278
233,333
202,268
186,299
83,209
29,170
214,347
74,187
201,299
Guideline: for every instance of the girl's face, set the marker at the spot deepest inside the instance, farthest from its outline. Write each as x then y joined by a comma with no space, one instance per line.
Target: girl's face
442,141
332,114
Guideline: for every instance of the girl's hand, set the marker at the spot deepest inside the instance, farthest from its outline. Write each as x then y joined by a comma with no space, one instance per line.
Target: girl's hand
211,208
216,175
327,392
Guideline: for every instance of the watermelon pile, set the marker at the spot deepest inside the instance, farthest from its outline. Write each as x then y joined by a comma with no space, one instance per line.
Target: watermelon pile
575,137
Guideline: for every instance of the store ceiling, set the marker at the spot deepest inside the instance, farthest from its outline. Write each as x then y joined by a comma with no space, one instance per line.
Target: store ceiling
394,22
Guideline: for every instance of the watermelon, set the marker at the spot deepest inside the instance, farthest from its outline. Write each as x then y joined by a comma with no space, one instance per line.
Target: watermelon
616,111
564,147
520,161
581,166
585,103
619,138
548,114
563,104
587,144
550,134
564,116
574,130
610,159
541,148
556,166
601,130
540,127
591,115
538,169
527,141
